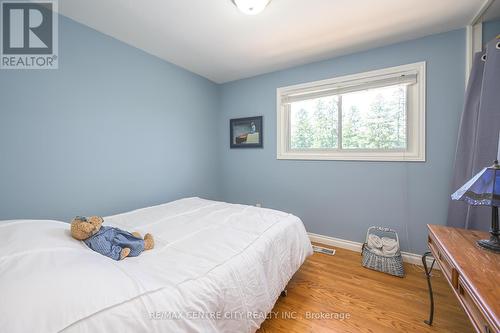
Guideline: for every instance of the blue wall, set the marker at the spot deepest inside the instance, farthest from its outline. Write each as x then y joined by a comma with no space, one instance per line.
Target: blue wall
491,29
115,129
339,198
111,130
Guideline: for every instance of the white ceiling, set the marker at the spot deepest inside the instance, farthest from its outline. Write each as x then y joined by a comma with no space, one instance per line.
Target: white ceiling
213,39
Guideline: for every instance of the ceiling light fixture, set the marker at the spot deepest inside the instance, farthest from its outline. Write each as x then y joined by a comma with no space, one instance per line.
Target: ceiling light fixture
251,7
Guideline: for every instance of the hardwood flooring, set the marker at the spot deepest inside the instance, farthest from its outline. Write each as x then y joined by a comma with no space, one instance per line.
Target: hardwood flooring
336,294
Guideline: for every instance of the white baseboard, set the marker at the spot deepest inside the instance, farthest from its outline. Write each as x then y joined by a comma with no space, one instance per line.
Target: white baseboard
335,242
408,257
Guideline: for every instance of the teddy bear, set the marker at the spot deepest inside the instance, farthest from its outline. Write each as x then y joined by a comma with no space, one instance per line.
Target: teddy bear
112,242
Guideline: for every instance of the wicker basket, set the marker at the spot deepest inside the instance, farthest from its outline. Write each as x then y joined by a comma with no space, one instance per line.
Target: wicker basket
388,264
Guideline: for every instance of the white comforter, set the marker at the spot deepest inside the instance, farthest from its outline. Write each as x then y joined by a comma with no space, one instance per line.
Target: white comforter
216,267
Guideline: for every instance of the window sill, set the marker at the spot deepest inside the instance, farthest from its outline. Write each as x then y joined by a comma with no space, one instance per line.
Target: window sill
358,156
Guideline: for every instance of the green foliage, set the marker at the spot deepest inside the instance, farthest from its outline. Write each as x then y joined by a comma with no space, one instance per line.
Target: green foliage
325,129
384,123
381,126
303,136
317,129
352,135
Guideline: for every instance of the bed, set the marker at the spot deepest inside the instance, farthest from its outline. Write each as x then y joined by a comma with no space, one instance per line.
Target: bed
216,267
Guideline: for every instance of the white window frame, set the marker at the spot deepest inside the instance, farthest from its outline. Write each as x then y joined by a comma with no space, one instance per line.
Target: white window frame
415,150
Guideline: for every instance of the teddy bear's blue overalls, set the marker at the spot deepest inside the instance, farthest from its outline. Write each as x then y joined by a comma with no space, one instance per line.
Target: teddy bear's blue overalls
110,241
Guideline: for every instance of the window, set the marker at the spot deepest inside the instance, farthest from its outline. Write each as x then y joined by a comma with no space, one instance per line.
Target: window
373,116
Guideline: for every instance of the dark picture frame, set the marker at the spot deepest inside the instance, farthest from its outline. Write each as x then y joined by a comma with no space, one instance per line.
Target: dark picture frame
246,132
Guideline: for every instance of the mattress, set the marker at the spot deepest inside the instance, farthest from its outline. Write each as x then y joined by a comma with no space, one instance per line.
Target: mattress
216,267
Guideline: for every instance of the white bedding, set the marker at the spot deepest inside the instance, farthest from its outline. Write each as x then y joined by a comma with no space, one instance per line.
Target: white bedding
216,267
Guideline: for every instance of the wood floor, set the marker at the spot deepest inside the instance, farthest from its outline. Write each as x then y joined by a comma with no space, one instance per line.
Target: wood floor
368,301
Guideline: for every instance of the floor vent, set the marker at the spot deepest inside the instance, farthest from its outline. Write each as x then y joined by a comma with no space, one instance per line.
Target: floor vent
324,250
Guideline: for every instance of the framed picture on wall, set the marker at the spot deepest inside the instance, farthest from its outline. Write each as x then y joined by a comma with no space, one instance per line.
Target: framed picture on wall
246,132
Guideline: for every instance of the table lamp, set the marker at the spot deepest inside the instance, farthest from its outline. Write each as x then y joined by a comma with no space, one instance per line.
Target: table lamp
484,190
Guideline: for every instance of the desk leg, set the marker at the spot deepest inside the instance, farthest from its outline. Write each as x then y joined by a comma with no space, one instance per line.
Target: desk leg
428,275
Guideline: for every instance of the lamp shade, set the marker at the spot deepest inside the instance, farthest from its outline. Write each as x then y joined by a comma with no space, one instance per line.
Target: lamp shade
483,189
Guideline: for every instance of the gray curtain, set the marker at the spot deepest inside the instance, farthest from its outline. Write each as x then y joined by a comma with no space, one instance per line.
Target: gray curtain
478,135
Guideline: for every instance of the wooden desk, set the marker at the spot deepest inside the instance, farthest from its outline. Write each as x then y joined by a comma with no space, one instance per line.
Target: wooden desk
472,272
